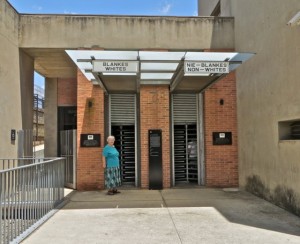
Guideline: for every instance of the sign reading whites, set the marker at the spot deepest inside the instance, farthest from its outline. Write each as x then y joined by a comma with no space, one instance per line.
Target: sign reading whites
207,67
115,66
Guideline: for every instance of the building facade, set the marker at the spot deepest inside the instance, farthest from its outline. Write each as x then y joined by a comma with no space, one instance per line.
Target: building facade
257,105
186,110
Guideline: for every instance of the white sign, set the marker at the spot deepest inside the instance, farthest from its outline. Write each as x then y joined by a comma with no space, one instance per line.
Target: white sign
115,66
222,135
199,67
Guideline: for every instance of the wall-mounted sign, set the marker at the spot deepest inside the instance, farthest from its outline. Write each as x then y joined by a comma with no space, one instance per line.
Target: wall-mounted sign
222,138
90,140
115,66
208,67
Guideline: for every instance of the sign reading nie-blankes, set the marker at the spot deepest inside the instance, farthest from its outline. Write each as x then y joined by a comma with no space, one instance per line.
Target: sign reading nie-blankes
115,66
207,67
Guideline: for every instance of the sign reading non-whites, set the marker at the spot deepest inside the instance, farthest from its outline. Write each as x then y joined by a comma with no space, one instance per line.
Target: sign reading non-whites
207,67
115,66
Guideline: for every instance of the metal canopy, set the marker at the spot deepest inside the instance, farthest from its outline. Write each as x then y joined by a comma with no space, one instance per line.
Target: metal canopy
151,68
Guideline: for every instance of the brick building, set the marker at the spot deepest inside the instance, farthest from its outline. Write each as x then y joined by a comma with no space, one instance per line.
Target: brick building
190,116
194,112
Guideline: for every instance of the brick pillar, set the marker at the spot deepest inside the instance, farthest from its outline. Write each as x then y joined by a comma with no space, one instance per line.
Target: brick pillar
221,161
90,173
155,114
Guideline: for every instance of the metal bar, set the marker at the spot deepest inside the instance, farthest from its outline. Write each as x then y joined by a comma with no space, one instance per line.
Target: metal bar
213,82
138,77
155,82
1,214
143,60
172,140
177,77
99,78
201,142
155,79
186,153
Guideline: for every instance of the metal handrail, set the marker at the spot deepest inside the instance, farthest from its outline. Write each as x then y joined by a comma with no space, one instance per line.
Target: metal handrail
28,193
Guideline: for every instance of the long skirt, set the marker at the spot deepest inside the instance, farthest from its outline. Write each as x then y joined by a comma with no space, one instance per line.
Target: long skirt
112,177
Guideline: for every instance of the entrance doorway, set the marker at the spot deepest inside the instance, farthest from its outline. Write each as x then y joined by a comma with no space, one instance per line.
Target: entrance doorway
122,109
187,139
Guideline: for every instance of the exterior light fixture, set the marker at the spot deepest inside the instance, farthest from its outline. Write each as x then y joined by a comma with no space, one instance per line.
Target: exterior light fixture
295,20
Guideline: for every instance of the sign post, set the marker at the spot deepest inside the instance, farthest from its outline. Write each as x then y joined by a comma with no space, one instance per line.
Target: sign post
155,160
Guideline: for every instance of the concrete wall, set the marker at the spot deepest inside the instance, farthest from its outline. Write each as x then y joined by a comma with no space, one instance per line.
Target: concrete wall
226,8
268,92
10,94
205,7
50,117
121,32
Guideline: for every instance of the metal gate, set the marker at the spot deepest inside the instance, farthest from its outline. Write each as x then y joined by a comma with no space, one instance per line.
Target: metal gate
68,149
187,139
122,111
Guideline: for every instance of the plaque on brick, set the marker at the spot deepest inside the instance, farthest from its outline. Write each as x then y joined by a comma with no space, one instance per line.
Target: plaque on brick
222,138
90,140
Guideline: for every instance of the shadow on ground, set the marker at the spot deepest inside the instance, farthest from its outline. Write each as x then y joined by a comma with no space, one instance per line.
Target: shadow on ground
237,207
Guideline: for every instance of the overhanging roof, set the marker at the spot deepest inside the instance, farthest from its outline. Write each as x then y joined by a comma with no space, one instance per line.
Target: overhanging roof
153,68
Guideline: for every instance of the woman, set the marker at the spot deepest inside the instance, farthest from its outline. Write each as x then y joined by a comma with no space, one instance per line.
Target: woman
111,166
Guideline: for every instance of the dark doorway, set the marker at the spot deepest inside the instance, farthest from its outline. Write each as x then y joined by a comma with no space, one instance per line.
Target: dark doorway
67,120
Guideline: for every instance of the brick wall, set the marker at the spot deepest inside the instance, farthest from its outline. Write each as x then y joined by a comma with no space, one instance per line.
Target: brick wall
90,173
155,114
67,92
221,161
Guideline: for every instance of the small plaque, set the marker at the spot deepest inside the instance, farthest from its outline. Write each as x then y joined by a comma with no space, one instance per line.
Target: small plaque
90,140
222,138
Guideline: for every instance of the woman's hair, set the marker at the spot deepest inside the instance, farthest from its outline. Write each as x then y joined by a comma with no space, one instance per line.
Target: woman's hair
110,137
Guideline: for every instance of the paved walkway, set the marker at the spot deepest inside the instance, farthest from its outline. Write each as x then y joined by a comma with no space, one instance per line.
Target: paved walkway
168,216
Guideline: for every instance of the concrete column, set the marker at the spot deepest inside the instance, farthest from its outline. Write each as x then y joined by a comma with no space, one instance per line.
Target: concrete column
26,79
26,82
50,117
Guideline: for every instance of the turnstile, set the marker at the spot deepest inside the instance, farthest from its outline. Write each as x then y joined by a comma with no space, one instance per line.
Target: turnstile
186,139
122,114
185,153
125,144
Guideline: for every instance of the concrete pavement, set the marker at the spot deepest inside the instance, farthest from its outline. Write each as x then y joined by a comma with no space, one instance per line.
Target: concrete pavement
198,215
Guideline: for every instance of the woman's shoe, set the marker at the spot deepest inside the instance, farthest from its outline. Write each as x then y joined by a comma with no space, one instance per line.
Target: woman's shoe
116,191
110,193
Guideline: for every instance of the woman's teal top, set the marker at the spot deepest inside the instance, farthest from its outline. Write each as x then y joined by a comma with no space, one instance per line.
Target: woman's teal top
111,155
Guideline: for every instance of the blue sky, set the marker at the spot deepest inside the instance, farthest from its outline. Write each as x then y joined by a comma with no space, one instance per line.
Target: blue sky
106,7
122,7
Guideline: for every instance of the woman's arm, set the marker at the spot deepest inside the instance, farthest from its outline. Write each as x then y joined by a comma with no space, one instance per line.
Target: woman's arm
104,162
